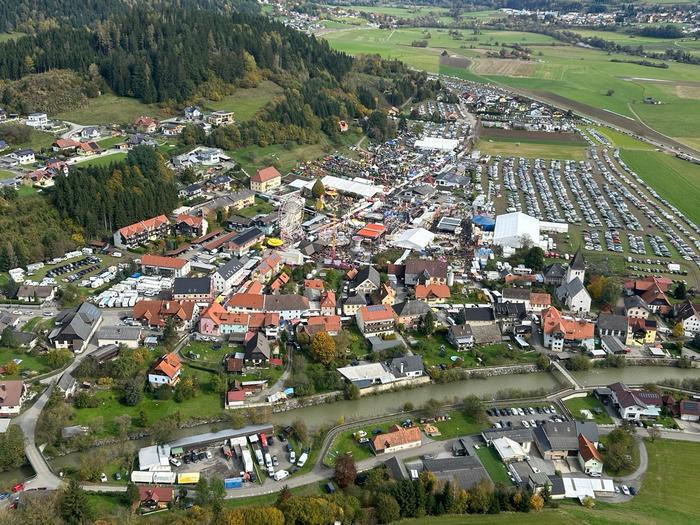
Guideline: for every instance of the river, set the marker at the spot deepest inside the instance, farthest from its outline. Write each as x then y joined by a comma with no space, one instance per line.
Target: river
377,405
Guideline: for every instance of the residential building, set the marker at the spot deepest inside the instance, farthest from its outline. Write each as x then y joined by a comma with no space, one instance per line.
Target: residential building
218,321
165,371
192,113
265,322
257,350
153,498
640,332
375,320
613,325
191,225
67,385
267,268
688,314
266,179
432,293
588,456
145,124
66,145
37,120
410,313
539,302
142,232
560,440
652,291
509,315
313,288
481,315
289,306
516,295
323,323
166,266
327,302
23,156
128,336
156,313
235,399
38,294
396,439
198,289
385,295
560,331
241,243
229,275
635,404
221,118
12,395
425,271
636,307
407,367
366,281
509,450
460,336
353,303
554,274
74,327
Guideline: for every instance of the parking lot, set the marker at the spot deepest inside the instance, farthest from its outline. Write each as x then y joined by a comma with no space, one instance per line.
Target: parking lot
524,416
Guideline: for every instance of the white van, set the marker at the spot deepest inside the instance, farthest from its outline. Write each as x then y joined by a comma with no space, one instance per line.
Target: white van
280,475
302,460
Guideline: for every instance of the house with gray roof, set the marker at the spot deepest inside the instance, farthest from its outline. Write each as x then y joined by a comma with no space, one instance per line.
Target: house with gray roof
366,281
227,275
575,296
464,471
411,313
67,385
554,274
257,350
74,327
559,440
129,336
612,325
409,366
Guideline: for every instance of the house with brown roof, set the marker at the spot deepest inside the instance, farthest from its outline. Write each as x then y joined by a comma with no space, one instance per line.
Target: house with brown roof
560,331
588,456
323,323
142,232
539,302
165,371
396,439
64,145
267,268
633,404
266,179
146,124
191,225
313,289
155,498
425,271
640,332
688,314
327,302
156,313
217,321
652,291
433,293
279,282
39,294
166,266
12,395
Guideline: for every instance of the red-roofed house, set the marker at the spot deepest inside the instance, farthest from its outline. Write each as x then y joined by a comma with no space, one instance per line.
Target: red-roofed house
266,179
588,456
167,266
146,124
142,232
166,371
376,319
268,323
433,293
313,289
235,398
156,313
323,323
191,225
398,438
65,145
539,302
216,320
562,330
154,498
267,268
278,283
328,303
246,302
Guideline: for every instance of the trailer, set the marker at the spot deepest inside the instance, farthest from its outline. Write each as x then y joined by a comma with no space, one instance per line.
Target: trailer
188,478
248,465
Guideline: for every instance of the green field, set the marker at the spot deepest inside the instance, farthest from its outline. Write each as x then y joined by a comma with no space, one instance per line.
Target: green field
108,109
111,141
245,103
6,174
401,12
4,37
31,362
675,179
493,465
103,161
530,149
588,403
580,74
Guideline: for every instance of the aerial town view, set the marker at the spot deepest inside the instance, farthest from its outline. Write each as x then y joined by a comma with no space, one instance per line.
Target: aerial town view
349,262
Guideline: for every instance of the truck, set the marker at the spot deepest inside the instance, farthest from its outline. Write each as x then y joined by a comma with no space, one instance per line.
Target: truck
302,460
263,440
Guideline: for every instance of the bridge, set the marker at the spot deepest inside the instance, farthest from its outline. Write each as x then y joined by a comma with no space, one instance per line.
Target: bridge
569,378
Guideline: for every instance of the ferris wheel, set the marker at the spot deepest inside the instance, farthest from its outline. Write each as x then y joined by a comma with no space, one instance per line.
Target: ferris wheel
291,214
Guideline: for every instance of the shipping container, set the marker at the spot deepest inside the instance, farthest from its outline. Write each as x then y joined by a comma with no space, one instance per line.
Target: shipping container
233,483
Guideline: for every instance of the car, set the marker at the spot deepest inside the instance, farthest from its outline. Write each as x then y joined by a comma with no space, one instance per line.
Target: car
280,475
509,423
275,462
270,440
202,456
17,312
18,487
189,505
4,495
525,424
625,490
497,425
532,423
633,491
594,474
208,454
103,478
282,438
489,413
361,441
271,472
290,449
292,457
175,462
617,489
117,476
553,409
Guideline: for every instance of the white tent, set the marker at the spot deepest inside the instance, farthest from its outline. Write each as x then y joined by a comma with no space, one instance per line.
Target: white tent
437,143
414,239
512,228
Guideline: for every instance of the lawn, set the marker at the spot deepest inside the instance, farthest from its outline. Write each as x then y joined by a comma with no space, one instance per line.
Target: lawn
109,109
622,140
245,103
260,207
6,175
31,362
111,141
674,179
102,161
38,140
531,150
252,158
26,191
29,325
345,443
458,425
493,465
589,403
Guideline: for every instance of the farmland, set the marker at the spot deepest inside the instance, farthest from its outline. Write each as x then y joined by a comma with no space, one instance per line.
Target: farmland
582,75
103,161
531,149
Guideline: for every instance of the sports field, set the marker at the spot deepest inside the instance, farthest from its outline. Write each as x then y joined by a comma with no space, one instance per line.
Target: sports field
675,179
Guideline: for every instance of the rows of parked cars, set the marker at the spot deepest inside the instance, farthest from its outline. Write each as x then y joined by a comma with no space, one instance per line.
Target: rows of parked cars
72,267
524,412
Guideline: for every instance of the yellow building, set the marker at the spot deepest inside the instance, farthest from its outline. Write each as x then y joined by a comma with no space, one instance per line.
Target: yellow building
266,179
640,332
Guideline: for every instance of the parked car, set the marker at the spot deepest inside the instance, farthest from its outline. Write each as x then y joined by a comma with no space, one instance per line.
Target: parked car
292,457
625,490
18,488
633,491
103,478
